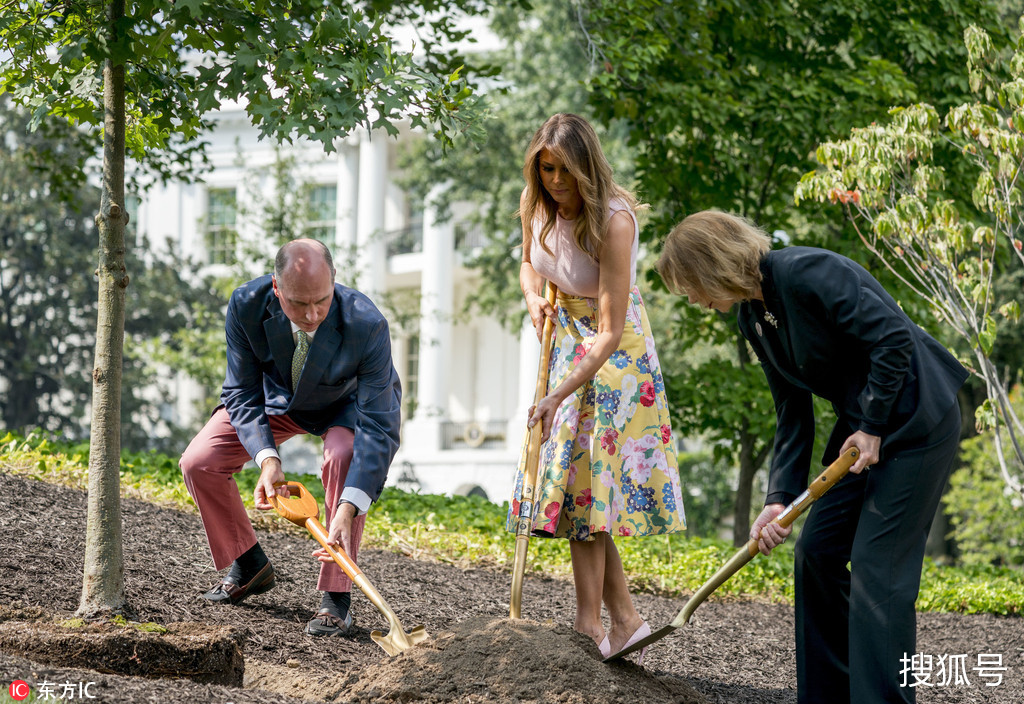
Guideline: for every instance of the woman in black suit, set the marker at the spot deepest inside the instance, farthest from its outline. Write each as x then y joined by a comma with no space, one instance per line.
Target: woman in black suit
821,325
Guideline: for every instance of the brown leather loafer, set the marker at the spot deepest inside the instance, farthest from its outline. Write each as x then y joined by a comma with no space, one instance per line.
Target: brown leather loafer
327,624
229,592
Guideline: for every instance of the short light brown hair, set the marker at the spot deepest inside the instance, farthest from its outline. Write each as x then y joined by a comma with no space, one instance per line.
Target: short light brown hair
716,254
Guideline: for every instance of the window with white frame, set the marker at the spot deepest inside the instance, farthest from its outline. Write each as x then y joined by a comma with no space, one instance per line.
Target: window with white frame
221,223
323,212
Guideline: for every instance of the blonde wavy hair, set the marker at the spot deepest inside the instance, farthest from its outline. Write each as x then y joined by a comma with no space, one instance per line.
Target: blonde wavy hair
716,254
572,139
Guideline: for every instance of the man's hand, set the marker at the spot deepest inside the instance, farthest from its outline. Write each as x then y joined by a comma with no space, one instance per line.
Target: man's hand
270,474
339,534
767,534
869,446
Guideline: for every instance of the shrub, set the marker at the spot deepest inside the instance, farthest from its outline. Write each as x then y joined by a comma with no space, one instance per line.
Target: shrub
987,515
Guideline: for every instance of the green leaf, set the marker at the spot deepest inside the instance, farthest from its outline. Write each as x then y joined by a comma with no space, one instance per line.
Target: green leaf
987,335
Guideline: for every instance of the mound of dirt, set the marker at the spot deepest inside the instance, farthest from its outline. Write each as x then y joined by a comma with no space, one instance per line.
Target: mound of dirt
487,660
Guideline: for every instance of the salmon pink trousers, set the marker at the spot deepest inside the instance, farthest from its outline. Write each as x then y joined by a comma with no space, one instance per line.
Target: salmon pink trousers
209,465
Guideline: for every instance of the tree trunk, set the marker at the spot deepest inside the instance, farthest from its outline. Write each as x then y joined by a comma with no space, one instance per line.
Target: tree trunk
744,489
751,459
103,583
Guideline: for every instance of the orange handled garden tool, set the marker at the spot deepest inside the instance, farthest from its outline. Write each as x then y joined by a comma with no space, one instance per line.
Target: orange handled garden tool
301,509
825,481
524,526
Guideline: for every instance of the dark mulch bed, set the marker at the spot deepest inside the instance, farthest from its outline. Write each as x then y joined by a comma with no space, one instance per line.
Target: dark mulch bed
730,652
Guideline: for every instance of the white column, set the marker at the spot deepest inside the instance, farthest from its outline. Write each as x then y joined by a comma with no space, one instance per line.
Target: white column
436,304
529,362
347,197
371,257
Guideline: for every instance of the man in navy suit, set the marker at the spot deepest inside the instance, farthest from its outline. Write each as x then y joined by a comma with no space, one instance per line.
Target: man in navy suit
304,355
821,325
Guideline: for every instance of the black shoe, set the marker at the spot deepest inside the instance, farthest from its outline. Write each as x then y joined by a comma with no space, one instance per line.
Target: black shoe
327,624
229,592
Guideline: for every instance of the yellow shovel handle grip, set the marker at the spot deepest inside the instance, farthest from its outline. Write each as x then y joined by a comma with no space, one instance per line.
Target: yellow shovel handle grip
299,506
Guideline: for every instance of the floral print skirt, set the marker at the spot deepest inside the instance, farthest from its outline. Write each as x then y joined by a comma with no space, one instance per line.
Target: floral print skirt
610,463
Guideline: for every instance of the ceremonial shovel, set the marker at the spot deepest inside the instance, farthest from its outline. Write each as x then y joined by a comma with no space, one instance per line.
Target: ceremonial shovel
303,511
825,481
524,522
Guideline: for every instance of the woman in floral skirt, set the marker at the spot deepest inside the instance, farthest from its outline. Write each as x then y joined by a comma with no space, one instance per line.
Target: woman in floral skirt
607,466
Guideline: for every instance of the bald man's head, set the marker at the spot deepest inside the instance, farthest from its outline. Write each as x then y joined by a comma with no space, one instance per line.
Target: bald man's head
304,282
302,254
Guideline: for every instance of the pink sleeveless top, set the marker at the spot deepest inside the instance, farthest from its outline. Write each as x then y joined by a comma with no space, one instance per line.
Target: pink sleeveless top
572,271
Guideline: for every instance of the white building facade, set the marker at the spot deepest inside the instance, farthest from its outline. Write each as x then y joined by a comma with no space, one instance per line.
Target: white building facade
467,384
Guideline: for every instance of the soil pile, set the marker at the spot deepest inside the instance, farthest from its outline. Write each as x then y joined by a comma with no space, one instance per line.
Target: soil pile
515,660
488,660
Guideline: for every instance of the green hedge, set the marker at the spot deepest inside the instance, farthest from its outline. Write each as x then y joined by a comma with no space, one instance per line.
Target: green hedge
470,531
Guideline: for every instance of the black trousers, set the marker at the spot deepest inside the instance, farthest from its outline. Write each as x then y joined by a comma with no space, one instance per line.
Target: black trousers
858,573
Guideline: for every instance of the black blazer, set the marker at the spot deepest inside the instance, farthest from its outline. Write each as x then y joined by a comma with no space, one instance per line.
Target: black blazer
839,335
348,380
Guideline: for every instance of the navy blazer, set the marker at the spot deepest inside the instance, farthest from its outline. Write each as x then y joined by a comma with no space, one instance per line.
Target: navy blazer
348,379
839,335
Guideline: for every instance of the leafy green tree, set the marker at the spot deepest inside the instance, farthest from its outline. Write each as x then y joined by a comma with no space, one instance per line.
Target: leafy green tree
47,305
150,77
725,102
39,274
948,251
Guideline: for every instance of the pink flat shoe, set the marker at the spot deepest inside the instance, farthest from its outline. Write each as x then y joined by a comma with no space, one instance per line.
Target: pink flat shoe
605,647
639,634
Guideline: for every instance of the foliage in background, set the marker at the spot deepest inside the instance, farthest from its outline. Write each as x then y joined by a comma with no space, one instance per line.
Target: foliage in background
309,68
724,102
48,292
986,515
707,484
949,250
470,532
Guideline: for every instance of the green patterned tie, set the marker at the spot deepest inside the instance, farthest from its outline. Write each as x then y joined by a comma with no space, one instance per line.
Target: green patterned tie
299,358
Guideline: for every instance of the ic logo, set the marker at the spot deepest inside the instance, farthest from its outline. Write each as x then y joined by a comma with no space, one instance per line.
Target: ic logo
19,690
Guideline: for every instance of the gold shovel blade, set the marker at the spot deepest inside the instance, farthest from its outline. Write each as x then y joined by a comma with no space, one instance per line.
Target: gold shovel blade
398,641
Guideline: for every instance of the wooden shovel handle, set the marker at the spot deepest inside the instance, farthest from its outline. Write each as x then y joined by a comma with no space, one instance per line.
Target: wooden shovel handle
304,511
541,390
524,523
341,558
825,481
